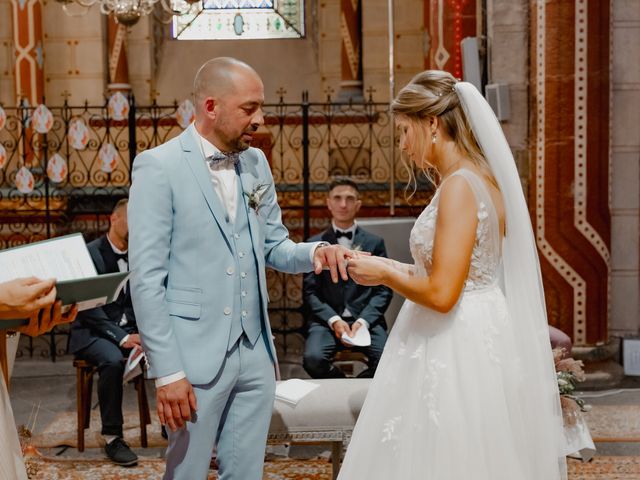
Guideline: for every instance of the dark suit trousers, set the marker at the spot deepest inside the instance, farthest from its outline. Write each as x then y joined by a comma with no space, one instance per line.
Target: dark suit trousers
109,359
322,345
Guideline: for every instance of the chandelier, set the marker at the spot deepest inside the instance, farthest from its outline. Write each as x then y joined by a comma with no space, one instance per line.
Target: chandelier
128,12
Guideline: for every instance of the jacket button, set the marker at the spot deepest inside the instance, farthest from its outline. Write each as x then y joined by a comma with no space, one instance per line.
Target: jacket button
243,275
227,310
241,254
236,235
230,271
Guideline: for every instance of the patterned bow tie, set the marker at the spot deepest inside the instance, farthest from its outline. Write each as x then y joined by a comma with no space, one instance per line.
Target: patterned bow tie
340,233
218,157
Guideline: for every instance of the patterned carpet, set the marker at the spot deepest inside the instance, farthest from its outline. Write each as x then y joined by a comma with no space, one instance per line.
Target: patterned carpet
605,468
152,469
62,431
614,423
606,422
600,468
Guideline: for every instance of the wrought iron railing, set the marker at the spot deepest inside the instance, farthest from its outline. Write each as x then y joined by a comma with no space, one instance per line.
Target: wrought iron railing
306,143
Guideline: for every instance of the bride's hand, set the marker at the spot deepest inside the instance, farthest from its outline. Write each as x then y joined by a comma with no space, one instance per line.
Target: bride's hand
368,271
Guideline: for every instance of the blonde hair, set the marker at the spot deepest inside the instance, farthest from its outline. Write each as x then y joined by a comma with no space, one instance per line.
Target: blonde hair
432,94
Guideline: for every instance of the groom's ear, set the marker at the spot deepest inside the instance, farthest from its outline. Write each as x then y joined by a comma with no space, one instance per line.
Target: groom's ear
210,106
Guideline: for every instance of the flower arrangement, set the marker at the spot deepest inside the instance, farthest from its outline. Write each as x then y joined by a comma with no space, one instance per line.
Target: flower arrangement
29,451
256,195
569,373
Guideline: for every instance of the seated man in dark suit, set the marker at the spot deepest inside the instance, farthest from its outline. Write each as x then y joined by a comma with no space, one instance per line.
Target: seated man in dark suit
336,308
104,336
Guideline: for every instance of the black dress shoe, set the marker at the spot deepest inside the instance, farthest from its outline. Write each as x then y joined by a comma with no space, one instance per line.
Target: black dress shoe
119,453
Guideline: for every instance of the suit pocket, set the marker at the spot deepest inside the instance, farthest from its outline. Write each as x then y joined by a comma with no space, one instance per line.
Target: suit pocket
184,302
191,311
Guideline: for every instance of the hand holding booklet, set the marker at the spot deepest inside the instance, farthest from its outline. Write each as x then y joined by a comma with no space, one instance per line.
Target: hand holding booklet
66,259
362,338
133,367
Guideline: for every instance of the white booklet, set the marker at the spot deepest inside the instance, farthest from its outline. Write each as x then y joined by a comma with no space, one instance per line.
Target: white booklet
62,258
294,390
66,259
362,338
133,368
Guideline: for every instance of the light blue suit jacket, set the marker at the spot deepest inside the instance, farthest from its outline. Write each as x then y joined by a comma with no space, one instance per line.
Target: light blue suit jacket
180,251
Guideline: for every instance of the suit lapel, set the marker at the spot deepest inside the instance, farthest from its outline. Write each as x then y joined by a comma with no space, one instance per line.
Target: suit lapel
110,264
108,256
246,184
359,239
193,155
329,236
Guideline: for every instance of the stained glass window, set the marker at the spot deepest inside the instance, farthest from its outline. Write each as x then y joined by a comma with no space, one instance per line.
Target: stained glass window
241,19
220,4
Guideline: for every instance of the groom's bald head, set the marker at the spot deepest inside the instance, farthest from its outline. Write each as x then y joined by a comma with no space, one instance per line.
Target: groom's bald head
219,77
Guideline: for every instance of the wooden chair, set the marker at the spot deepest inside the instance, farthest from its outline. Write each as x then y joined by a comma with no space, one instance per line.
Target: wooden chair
345,360
84,385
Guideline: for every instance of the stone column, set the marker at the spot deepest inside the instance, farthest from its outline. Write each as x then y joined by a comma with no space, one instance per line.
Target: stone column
447,23
351,50
118,69
27,38
571,130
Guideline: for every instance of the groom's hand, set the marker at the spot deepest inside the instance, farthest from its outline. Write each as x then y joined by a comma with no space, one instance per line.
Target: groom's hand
333,257
176,403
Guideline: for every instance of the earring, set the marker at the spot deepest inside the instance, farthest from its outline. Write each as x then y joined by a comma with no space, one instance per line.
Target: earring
433,138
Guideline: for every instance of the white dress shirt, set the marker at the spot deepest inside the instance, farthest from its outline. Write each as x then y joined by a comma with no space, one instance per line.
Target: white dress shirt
223,178
347,243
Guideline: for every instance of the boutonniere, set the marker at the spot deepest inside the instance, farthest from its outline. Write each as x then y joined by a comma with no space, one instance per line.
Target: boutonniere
255,197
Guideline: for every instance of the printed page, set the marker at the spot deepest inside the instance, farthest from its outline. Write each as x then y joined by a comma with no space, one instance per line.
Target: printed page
62,258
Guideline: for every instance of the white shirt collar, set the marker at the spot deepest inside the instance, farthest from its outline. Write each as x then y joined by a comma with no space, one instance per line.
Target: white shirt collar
352,228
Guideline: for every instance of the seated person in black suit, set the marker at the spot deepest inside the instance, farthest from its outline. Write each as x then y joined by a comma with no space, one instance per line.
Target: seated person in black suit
104,336
336,308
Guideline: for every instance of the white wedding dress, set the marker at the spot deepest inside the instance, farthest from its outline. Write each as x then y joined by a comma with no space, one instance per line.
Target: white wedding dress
11,461
449,400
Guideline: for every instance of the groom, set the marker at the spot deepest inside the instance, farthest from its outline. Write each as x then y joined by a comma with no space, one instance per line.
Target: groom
204,223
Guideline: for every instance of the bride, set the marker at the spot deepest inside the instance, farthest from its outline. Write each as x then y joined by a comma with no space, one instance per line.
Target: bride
466,387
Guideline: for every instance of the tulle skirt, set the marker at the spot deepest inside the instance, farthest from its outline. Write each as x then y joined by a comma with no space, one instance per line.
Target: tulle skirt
11,461
448,401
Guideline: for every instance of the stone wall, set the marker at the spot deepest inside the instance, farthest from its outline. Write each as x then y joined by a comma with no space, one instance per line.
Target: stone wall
625,170
508,62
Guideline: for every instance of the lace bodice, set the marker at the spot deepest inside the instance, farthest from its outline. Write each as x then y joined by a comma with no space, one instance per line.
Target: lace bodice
485,258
